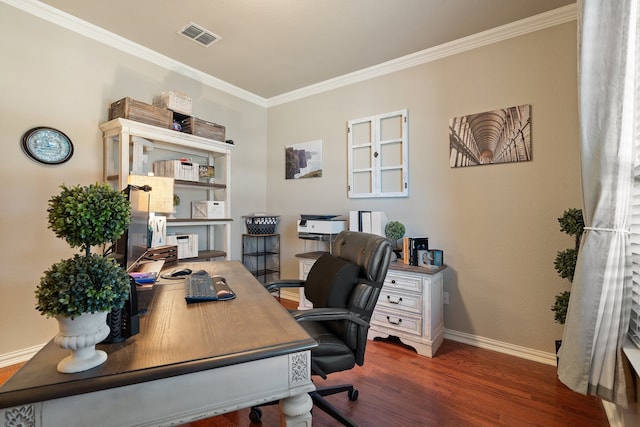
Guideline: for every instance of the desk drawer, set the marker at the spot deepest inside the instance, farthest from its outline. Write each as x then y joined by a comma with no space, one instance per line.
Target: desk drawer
401,281
392,321
403,301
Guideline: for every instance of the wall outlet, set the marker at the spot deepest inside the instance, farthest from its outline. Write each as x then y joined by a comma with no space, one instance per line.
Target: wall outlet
445,298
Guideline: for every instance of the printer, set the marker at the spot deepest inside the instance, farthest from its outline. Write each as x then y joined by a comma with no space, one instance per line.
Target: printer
320,227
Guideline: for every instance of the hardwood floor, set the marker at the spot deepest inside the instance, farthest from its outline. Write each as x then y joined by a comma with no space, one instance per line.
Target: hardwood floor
461,386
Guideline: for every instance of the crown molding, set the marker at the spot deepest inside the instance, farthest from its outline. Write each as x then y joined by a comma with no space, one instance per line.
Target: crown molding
524,26
108,38
518,28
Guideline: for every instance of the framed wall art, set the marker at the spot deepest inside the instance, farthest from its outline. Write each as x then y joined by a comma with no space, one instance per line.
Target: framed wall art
498,136
303,160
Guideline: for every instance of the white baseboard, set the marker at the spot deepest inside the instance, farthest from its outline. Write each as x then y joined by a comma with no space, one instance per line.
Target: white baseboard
501,347
19,356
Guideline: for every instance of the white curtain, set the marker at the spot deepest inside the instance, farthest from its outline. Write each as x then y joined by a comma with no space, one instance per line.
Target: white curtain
591,360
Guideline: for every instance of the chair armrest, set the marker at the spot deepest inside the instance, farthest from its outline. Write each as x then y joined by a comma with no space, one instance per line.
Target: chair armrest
291,283
322,314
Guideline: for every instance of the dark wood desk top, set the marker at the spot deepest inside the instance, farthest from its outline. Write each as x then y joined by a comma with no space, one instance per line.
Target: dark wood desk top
174,339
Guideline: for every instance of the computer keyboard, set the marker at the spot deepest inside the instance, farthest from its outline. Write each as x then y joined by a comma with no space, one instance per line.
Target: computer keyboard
202,287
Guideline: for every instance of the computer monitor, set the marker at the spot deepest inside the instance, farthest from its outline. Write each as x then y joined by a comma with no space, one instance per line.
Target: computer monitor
135,241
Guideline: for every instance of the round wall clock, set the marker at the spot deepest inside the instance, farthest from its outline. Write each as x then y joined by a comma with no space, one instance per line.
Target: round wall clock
47,145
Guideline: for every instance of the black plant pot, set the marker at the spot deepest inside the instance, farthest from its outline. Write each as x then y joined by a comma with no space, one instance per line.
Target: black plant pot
558,344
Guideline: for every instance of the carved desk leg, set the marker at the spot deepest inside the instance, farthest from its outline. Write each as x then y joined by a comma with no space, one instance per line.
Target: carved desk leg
295,411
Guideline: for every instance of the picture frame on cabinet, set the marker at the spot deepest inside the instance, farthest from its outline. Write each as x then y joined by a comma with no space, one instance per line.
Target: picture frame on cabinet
424,258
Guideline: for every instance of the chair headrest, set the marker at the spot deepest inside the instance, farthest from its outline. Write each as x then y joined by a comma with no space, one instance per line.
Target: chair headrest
369,251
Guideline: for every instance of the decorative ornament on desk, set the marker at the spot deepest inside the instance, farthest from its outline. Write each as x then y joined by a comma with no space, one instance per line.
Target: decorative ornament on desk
86,283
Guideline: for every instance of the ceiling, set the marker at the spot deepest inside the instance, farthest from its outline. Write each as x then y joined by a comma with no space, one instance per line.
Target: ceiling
272,47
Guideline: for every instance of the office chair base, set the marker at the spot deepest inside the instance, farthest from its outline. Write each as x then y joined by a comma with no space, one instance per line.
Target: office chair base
320,402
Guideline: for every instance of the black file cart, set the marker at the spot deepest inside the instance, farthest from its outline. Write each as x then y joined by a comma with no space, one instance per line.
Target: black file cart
261,255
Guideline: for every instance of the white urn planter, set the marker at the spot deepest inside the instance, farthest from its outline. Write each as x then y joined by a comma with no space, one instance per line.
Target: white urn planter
80,335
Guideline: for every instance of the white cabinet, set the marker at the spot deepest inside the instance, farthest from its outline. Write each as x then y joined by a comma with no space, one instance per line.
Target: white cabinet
132,147
409,306
378,155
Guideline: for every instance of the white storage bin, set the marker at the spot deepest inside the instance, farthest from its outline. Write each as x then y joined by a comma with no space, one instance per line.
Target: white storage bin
187,244
177,169
207,209
175,101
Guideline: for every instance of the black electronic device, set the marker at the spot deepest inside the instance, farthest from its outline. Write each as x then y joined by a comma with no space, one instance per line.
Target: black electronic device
128,251
180,272
202,287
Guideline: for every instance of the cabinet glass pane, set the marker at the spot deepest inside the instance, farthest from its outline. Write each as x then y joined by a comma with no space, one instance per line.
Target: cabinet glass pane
362,183
391,181
391,154
361,133
112,161
362,158
391,128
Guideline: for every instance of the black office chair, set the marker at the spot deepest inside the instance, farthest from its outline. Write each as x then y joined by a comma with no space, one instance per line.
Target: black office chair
344,287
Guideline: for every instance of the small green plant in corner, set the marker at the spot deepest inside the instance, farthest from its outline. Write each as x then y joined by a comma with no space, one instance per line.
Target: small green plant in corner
571,223
86,283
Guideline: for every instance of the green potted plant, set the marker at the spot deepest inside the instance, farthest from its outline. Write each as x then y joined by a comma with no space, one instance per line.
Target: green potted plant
394,230
79,291
571,223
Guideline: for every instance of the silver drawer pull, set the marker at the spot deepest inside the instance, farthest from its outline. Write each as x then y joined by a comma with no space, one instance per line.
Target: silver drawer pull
398,301
392,322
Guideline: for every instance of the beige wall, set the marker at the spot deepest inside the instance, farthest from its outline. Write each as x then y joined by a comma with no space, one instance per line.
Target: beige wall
496,224
54,77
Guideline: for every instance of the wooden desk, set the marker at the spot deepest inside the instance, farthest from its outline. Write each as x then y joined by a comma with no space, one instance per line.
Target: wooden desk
188,362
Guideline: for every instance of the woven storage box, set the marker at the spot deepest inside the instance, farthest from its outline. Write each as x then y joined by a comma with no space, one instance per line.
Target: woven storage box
127,108
261,224
175,101
207,209
177,169
202,128
187,245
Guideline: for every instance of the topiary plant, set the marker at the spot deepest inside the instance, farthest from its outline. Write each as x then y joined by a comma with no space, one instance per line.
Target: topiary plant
394,230
572,223
85,217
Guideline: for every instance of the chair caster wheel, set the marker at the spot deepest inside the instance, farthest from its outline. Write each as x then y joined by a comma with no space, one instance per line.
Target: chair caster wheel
255,415
353,395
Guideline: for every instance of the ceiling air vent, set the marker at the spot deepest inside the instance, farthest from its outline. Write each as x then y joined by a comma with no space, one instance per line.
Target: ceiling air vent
199,34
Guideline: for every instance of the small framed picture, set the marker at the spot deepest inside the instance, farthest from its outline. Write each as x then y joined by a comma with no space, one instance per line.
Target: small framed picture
425,259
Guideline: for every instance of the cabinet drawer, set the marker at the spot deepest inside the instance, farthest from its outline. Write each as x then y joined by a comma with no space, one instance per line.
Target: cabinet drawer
397,321
403,301
405,282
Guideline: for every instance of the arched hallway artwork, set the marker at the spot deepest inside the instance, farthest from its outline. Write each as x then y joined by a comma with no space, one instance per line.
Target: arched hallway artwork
498,136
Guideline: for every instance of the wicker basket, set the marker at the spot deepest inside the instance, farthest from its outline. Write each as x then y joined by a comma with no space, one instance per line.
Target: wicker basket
261,224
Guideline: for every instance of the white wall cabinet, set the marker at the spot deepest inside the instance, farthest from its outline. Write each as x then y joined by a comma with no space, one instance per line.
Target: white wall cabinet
132,147
409,306
378,159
